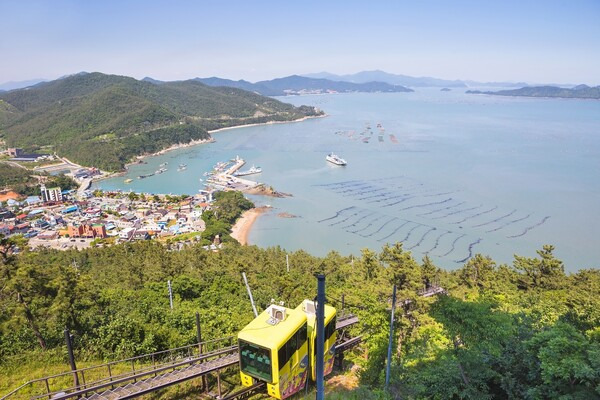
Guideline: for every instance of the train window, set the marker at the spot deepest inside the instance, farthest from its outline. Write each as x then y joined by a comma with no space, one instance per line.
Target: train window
291,346
255,360
330,329
282,358
301,336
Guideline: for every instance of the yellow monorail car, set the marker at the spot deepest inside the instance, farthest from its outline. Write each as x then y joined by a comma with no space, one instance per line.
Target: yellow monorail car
308,307
278,347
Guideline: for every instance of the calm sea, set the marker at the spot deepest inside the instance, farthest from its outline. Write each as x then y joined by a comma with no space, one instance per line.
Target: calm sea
447,173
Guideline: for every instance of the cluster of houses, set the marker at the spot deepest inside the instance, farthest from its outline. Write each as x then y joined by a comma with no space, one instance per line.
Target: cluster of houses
56,218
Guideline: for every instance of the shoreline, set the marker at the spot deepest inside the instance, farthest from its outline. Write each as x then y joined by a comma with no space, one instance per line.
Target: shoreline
138,159
243,225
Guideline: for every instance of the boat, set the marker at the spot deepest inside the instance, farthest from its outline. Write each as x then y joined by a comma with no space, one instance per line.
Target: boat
335,159
181,168
182,165
251,171
160,171
129,180
163,164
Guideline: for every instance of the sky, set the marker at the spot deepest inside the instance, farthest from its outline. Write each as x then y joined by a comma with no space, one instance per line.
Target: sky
543,41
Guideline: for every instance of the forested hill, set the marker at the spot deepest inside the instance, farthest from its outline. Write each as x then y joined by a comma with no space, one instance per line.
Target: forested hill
105,120
520,331
578,92
296,84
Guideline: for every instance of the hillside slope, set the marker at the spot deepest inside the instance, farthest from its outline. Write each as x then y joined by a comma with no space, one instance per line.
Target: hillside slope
105,120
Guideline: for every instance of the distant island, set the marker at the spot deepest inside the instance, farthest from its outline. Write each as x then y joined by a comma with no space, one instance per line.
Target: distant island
578,92
295,84
105,121
445,89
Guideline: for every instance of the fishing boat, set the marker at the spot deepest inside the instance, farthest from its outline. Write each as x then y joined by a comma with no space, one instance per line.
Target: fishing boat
335,159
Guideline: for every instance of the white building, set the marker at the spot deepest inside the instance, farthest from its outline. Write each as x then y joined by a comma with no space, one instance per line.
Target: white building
51,194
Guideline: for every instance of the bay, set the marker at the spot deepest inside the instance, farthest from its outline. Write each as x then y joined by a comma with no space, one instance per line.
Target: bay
462,174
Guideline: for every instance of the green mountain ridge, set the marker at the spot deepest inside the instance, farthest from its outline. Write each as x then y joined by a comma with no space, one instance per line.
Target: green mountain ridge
296,84
106,120
578,92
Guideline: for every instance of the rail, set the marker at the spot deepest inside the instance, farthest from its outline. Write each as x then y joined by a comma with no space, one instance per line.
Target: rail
246,392
147,364
129,377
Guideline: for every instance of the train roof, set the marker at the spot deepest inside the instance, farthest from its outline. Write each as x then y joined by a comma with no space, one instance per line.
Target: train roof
263,333
308,307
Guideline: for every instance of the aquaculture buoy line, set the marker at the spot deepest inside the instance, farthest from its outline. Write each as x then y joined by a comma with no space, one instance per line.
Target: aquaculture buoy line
400,194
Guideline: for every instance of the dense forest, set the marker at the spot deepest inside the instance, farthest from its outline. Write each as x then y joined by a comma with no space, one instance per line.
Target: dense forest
105,120
521,331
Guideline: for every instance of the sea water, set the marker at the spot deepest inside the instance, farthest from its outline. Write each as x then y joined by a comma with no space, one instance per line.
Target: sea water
465,174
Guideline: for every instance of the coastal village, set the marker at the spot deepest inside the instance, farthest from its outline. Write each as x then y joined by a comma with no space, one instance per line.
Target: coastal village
80,218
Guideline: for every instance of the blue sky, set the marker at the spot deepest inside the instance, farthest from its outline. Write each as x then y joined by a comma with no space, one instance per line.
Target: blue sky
533,41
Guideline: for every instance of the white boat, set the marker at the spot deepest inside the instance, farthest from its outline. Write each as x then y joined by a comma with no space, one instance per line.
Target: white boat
181,168
335,159
251,171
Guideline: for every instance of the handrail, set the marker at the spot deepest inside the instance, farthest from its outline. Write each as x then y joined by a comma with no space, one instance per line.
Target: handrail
205,344
79,392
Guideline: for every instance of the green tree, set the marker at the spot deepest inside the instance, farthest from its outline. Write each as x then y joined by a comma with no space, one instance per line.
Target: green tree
545,272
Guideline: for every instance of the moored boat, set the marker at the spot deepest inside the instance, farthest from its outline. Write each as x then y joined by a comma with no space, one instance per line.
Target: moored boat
335,159
251,171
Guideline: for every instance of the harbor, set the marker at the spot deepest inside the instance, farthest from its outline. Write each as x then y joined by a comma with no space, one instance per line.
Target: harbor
223,177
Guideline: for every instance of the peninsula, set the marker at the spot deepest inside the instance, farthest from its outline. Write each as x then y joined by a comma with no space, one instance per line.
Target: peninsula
578,92
105,121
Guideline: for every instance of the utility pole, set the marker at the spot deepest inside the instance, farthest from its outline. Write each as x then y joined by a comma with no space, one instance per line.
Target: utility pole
287,262
389,352
170,293
320,367
249,294
68,340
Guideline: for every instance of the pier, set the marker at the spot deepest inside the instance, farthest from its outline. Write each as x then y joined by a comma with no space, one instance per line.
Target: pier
224,178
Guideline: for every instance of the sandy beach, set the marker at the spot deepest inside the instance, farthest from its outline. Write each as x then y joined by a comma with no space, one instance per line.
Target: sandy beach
242,227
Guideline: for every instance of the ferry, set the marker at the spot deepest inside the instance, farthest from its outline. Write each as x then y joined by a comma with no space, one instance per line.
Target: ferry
334,159
129,180
251,171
